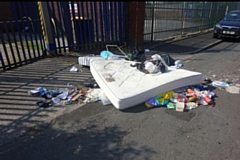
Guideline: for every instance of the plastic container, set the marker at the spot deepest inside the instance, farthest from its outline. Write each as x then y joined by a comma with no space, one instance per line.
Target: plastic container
42,91
56,100
180,106
180,97
170,105
191,105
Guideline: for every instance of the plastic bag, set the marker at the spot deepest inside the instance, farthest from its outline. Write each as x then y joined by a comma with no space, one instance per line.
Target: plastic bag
104,99
150,67
219,84
137,55
159,100
114,58
162,63
94,94
106,54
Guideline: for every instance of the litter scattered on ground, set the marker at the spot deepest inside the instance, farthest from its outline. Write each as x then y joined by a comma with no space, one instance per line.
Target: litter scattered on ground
75,69
190,97
63,96
180,99
228,86
184,98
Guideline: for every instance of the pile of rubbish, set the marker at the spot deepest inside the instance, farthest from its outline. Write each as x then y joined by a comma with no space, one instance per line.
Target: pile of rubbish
190,97
184,98
181,99
63,96
158,63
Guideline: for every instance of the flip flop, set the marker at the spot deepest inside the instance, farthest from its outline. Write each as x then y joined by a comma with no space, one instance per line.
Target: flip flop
44,104
47,96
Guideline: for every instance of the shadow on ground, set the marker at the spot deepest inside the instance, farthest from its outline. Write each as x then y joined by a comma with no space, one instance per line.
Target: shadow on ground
92,142
18,110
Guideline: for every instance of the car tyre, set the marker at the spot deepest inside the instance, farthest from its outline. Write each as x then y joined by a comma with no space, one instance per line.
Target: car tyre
215,35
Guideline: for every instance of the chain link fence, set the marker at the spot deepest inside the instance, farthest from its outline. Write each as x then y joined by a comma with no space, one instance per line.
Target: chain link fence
164,19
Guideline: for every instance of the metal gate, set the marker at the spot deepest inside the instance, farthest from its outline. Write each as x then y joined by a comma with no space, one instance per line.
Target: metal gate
21,40
87,25
168,19
73,27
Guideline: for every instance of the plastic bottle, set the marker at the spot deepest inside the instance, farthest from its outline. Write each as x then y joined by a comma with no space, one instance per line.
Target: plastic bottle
191,105
180,97
42,91
202,102
56,100
206,98
68,101
54,92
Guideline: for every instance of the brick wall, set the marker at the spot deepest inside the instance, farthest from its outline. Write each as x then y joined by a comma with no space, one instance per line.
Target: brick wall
135,23
6,14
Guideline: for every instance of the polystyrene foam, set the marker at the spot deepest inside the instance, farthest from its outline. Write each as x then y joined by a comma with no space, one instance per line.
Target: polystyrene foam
85,61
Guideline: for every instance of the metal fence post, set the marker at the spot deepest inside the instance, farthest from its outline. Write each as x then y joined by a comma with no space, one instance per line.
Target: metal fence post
152,30
2,60
46,28
183,17
202,16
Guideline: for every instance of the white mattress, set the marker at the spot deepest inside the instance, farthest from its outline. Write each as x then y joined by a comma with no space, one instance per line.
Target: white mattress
131,86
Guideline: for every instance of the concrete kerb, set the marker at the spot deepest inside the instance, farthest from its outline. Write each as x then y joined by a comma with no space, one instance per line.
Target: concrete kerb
181,37
204,48
187,55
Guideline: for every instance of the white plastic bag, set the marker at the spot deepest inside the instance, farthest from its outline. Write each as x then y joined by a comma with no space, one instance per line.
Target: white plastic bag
94,94
104,99
74,69
114,57
158,57
150,67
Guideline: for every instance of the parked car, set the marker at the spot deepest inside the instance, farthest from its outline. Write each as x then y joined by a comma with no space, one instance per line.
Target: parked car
229,26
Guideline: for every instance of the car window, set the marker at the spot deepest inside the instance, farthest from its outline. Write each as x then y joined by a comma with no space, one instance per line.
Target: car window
234,16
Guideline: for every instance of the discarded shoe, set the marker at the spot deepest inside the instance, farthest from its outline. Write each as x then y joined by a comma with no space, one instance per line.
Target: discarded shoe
33,93
208,80
89,85
47,96
44,104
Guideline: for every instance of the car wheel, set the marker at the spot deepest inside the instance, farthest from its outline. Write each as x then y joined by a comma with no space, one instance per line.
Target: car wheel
215,35
238,39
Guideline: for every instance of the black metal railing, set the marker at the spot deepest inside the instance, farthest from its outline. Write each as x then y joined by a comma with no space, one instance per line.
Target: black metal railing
20,35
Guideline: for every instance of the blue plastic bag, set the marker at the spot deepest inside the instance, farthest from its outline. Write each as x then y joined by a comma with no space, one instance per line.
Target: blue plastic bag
106,54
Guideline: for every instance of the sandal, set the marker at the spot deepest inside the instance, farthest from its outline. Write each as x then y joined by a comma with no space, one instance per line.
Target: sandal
44,104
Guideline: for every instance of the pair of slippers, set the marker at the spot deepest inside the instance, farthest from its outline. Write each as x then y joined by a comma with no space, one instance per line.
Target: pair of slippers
44,104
